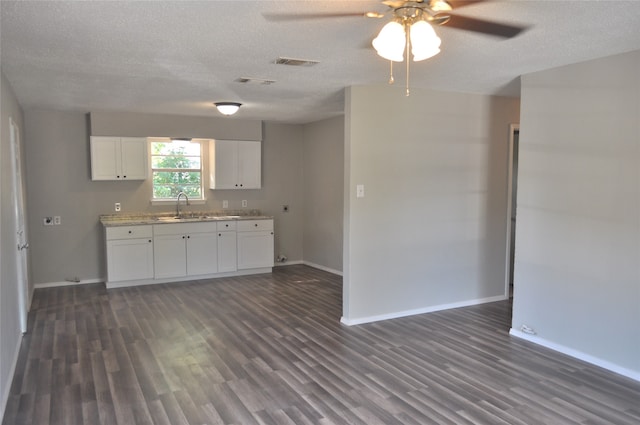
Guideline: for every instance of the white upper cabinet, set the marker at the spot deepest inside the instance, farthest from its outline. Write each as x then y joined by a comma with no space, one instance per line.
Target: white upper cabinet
235,164
119,158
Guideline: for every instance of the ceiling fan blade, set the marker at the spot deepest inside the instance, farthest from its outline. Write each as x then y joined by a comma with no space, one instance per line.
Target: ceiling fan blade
303,16
485,27
456,4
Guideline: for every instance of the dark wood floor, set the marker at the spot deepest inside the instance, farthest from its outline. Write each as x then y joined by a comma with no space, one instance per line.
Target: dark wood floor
269,349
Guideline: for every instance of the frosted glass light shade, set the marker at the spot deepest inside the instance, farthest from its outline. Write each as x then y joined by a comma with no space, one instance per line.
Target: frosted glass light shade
424,41
391,41
228,108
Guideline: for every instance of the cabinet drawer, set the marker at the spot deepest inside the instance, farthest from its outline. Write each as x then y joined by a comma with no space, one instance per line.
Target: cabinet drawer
226,225
254,225
129,232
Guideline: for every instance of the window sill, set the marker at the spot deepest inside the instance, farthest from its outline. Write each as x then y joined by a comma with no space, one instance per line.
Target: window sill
173,202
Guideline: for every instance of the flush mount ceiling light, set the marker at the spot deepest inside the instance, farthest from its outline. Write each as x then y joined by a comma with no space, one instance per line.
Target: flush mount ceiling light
228,108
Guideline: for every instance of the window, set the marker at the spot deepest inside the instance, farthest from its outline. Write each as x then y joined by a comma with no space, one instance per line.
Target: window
176,166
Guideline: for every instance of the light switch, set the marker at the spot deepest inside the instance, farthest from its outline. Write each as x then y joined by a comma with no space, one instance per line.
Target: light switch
360,191
225,204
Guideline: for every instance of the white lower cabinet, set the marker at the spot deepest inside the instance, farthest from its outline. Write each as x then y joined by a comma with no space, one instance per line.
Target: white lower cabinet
255,244
185,249
227,256
129,253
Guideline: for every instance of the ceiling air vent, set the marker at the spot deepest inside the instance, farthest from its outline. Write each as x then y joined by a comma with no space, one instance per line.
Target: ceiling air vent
295,62
250,80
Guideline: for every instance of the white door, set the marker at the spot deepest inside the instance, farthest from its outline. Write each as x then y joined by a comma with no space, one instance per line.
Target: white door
134,158
169,255
202,253
224,155
255,249
227,255
21,227
249,166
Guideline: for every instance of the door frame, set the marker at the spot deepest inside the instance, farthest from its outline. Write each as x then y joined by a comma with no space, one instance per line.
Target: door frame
513,128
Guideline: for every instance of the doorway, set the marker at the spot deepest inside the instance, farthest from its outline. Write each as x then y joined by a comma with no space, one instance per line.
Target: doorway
21,243
512,195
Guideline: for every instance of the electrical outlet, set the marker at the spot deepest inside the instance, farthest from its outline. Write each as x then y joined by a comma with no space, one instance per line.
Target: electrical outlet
117,206
57,220
225,204
47,221
244,203
360,191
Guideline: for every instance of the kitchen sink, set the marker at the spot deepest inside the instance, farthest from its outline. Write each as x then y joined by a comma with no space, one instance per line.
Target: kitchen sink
194,218
167,218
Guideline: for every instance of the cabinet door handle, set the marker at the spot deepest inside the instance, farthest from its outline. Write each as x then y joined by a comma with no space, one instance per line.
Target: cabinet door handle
188,237
130,231
272,233
256,224
219,234
124,177
149,240
182,236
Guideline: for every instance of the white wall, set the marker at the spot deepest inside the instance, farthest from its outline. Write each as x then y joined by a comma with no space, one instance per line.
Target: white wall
10,335
59,181
323,167
430,232
577,271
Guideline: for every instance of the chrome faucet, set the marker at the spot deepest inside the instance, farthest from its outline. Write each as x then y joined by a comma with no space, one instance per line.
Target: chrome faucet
178,202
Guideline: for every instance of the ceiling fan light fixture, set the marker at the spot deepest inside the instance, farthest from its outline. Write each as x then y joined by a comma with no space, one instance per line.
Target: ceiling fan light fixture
228,108
391,41
424,41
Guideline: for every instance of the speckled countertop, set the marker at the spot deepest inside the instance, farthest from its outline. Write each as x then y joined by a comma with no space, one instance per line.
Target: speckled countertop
130,219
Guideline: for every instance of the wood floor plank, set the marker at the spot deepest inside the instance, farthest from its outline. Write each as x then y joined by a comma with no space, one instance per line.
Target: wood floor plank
270,349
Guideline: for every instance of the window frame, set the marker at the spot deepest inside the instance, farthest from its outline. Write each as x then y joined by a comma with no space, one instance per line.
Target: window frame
202,170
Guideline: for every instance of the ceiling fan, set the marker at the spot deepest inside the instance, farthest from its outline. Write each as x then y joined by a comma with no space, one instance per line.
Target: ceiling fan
436,12
411,27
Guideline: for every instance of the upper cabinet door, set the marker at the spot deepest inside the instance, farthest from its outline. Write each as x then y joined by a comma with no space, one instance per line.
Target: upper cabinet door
134,158
105,152
249,165
235,164
118,158
223,164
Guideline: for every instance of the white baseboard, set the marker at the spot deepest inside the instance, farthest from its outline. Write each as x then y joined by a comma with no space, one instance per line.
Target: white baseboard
319,267
66,283
635,375
288,263
6,389
431,309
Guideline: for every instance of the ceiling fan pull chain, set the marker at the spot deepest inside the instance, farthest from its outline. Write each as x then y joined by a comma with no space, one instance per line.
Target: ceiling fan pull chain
391,80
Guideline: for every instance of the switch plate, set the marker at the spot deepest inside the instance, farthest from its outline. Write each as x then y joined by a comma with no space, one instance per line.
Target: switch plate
57,220
225,204
117,206
244,203
360,191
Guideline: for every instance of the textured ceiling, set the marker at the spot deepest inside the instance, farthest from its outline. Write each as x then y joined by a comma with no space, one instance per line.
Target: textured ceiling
178,57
